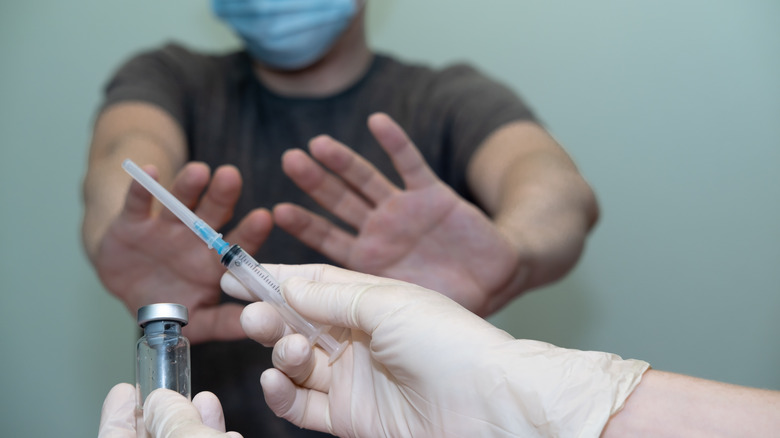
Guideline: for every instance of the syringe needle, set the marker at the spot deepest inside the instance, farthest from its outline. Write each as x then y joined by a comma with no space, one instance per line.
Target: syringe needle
248,271
196,224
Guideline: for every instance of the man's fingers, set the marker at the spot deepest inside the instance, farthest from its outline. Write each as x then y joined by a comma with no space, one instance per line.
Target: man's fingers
187,187
407,159
252,231
329,191
217,323
314,231
358,172
217,204
138,203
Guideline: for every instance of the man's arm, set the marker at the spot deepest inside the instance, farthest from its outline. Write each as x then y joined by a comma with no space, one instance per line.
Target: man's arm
135,130
145,255
537,199
672,405
425,233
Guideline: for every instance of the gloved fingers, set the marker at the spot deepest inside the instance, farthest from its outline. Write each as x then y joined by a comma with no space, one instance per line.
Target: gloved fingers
263,323
359,306
325,273
305,408
304,365
220,323
169,414
230,284
406,158
210,410
269,332
117,417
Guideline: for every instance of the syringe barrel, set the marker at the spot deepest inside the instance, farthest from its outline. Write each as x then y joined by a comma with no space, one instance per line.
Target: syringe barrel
261,283
252,275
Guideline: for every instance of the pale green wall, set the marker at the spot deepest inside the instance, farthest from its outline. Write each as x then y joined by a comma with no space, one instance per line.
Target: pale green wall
670,108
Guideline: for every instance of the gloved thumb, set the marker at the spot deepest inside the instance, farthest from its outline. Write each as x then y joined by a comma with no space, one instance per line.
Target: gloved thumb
335,304
117,418
169,414
210,410
354,305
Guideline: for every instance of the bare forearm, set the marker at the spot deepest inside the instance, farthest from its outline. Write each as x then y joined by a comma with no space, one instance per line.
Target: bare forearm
122,133
537,199
546,210
105,186
673,405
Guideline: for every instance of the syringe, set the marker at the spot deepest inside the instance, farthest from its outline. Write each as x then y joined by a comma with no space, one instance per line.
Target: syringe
249,271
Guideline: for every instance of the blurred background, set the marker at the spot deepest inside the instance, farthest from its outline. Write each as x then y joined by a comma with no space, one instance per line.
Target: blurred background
671,109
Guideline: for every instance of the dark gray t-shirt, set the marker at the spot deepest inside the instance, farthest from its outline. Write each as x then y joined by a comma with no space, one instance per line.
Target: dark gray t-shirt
228,116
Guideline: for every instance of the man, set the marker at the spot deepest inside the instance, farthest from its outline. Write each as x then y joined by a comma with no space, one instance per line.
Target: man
487,183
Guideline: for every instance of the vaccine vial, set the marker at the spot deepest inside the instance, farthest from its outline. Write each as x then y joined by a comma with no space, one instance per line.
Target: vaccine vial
162,353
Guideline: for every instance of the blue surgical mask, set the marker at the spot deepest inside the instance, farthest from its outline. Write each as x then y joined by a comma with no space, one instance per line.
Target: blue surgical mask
287,34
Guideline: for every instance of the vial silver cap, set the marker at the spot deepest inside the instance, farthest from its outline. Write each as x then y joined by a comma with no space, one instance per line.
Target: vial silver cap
163,312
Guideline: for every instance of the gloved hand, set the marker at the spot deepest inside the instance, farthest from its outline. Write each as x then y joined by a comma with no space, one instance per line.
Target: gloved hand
166,414
419,364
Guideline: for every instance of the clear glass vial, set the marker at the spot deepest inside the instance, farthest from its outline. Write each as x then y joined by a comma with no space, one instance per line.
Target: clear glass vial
162,353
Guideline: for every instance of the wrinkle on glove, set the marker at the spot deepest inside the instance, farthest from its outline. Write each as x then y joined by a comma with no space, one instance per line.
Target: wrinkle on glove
560,392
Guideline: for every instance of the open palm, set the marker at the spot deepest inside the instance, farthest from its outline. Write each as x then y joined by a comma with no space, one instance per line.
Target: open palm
424,233
148,256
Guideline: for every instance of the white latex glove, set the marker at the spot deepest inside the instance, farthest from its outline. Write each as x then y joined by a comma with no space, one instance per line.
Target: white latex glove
166,414
419,364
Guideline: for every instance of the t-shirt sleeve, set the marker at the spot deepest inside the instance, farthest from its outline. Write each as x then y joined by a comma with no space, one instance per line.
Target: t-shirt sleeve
476,106
156,77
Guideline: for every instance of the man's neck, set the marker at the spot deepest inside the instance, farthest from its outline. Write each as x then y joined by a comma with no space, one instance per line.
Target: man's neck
341,67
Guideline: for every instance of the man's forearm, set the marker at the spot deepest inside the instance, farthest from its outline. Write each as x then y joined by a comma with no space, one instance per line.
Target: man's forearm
537,199
137,131
546,212
105,186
